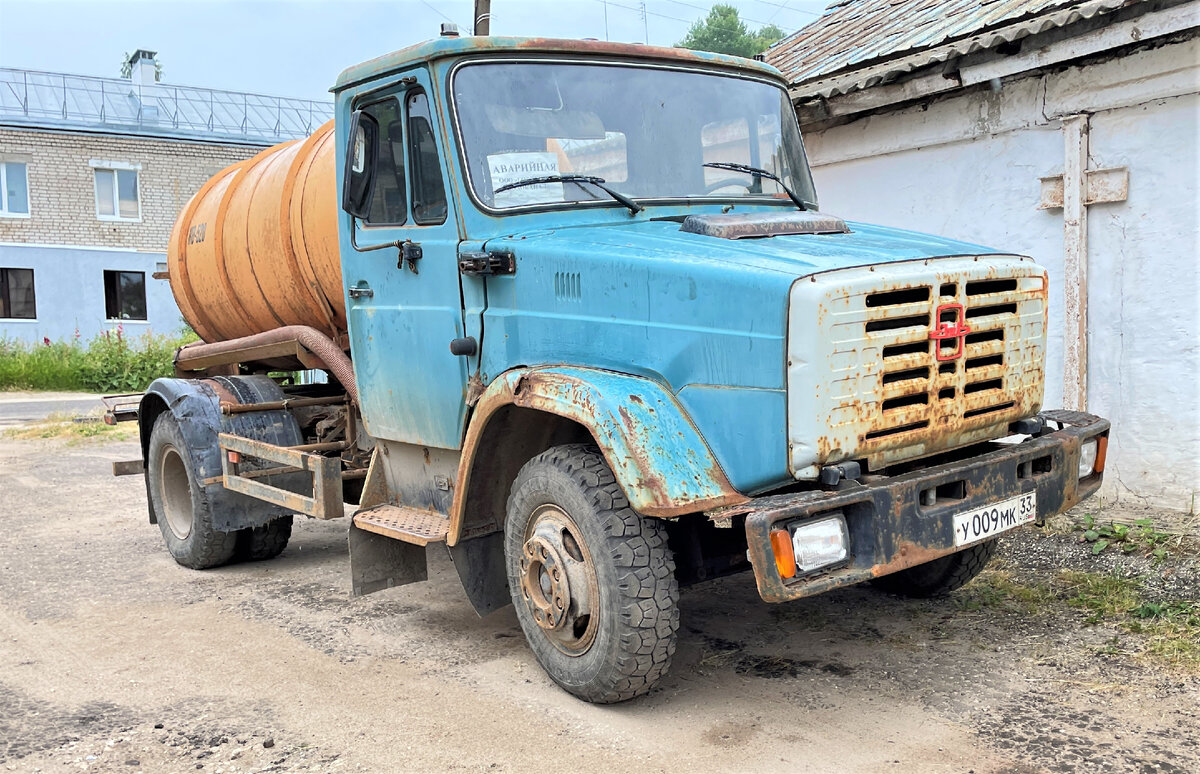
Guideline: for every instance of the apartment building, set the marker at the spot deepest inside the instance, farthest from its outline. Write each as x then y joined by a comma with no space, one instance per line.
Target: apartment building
93,172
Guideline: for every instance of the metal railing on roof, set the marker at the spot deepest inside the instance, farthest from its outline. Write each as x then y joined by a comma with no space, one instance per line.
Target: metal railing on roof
60,100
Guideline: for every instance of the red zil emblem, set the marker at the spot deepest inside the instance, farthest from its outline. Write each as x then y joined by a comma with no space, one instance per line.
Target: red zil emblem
952,329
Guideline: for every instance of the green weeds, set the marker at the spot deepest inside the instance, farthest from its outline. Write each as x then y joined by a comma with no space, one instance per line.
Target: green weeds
110,362
1140,537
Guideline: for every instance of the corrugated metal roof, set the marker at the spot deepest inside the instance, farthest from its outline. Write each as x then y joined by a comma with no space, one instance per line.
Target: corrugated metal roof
856,36
62,101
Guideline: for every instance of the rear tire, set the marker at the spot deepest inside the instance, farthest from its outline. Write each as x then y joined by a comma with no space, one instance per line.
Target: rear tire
941,576
182,512
593,582
266,542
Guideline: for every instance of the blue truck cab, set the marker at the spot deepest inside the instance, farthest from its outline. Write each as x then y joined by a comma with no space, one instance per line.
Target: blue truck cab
602,342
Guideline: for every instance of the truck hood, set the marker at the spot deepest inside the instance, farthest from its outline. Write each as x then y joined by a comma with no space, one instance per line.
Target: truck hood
793,255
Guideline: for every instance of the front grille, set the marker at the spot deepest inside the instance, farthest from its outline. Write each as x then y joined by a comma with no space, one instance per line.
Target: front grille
921,357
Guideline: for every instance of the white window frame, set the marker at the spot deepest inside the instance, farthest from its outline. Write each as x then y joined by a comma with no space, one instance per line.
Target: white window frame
115,166
4,213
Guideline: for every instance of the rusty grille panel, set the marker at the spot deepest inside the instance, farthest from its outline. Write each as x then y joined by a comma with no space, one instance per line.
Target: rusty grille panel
868,376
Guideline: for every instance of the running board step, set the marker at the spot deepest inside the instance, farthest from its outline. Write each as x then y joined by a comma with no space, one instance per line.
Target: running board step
411,525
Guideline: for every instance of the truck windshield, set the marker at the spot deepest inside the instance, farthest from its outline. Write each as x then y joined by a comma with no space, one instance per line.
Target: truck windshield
646,132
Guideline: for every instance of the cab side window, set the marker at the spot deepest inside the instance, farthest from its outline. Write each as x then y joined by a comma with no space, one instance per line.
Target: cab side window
429,196
388,202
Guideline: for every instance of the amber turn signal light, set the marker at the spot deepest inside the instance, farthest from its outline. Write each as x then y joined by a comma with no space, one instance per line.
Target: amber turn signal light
1101,453
785,556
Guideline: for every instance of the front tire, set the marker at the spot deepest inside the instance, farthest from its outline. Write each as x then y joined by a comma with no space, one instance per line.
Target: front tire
941,576
180,508
593,582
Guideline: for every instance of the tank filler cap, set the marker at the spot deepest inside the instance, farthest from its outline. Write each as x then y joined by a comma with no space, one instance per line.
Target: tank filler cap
449,30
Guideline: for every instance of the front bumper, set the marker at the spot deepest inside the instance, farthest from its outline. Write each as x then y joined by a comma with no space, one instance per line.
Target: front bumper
891,530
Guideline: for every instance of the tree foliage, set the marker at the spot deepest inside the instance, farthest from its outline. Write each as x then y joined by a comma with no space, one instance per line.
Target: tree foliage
723,32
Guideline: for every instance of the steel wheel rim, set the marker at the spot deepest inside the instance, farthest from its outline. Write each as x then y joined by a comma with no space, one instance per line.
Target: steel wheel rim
558,580
175,492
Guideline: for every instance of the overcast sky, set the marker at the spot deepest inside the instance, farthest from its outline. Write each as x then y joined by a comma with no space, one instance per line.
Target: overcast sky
295,48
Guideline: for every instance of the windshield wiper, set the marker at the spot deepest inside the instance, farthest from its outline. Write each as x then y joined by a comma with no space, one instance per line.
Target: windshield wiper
757,172
633,206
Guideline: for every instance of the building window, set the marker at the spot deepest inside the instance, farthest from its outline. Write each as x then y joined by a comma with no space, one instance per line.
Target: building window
14,189
117,194
125,295
16,294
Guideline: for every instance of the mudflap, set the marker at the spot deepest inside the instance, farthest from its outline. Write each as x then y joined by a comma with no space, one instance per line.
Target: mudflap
480,565
378,562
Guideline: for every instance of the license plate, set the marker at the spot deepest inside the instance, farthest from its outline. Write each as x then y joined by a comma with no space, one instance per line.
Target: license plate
981,523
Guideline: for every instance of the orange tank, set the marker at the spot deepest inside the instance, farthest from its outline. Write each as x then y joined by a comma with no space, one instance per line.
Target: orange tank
256,248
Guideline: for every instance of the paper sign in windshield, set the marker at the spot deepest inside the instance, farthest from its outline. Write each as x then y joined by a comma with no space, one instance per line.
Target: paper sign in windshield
508,168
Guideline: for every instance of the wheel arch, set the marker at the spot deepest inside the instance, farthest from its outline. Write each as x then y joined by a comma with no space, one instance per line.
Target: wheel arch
662,463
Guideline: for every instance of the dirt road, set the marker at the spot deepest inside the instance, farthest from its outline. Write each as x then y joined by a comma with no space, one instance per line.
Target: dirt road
114,659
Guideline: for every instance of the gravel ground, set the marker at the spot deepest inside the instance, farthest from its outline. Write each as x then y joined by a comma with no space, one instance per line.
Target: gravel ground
114,659
1041,554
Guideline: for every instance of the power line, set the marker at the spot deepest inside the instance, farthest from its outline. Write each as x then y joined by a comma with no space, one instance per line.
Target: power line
785,6
639,11
642,11
444,16
702,8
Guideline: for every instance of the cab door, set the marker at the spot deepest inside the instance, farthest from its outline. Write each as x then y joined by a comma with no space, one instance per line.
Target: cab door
404,304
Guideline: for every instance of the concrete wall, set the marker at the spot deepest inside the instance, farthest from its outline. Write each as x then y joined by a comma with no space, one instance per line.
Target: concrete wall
69,289
968,167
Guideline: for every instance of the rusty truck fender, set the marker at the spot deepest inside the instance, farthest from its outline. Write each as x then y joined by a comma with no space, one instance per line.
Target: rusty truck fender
660,460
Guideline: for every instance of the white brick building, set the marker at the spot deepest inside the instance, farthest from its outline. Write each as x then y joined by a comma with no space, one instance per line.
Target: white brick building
93,172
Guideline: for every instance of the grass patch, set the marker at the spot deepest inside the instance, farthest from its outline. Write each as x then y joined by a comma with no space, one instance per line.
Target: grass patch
1168,632
1000,589
73,429
110,362
1172,631
1102,597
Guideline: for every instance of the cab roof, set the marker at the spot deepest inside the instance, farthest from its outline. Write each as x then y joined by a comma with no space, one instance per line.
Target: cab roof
443,47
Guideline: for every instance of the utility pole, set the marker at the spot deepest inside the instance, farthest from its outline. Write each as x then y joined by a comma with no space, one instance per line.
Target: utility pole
645,24
605,4
483,17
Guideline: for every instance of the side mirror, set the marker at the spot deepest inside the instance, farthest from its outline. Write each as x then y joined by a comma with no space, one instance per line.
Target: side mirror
359,180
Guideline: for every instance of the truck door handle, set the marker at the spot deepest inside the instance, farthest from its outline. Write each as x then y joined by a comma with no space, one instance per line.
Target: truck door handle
361,291
489,264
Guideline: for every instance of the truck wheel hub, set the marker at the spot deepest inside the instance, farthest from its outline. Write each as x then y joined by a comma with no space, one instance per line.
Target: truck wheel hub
544,583
558,580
